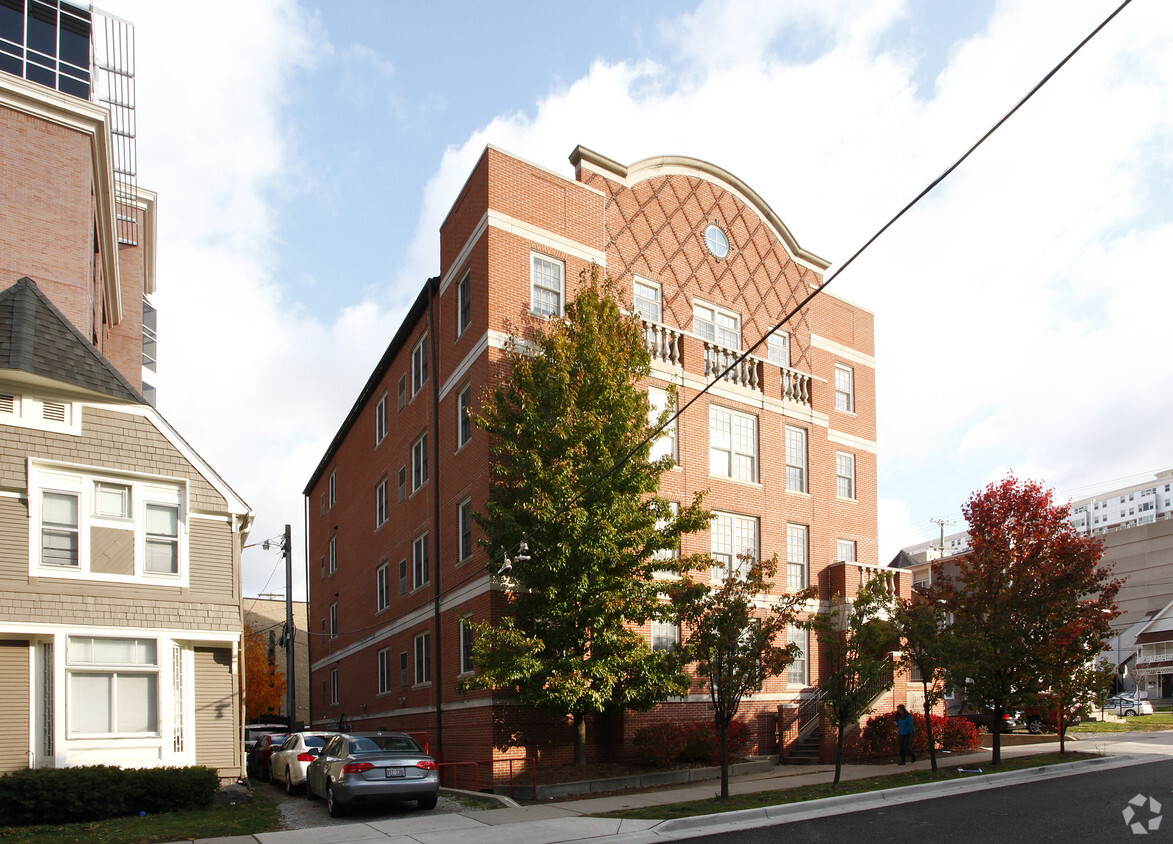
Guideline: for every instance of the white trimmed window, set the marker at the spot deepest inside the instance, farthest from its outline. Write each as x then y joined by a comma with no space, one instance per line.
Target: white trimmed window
673,552
647,300
796,459
466,637
844,474
423,659
402,391
796,557
334,620
334,685
419,364
463,420
419,561
381,503
733,444
382,587
333,554
845,550
844,388
384,671
796,674
547,277
113,686
162,531
734,544
404,671
665,444
333,488
463,304
464,525
779,348
419,462
665,636
402,482
716,325
381,419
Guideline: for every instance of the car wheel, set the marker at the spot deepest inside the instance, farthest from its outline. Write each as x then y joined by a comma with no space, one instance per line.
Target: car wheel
1034,726
984,728
428,802
288,782
1129,712
335,808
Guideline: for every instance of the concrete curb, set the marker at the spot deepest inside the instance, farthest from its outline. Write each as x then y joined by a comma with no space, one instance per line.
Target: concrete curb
502,800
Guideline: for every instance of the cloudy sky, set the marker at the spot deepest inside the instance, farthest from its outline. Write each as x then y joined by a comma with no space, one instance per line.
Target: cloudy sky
305,153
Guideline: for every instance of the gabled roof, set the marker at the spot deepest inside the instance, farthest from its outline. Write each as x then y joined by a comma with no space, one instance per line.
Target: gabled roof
38,339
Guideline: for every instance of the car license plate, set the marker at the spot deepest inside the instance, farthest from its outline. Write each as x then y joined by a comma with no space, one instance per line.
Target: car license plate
393,772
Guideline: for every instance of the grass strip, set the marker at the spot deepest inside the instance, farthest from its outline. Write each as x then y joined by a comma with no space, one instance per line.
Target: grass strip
802,793
1135,724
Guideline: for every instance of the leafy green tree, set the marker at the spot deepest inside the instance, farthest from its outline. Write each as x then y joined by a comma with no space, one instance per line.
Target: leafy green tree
855,640
1031,603
572,475
925,635
734,644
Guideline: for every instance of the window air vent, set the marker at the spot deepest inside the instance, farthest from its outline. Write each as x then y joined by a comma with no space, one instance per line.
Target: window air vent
54,412
7,403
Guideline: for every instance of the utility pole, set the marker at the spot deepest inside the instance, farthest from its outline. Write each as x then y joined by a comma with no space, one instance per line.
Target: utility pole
941,524
285,542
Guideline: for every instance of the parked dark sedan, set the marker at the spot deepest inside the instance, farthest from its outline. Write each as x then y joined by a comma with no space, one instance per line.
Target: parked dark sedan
257,765
983,718
367,767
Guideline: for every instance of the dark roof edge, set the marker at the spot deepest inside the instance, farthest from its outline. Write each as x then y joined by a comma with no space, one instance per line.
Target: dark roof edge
393,348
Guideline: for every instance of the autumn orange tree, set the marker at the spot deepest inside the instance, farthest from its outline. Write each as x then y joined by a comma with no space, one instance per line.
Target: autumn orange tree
1031,603
264,684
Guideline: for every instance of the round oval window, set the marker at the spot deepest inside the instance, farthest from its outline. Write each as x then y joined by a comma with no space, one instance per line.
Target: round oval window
717,241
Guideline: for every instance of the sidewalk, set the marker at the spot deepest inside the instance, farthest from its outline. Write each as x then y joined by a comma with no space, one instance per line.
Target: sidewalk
566,821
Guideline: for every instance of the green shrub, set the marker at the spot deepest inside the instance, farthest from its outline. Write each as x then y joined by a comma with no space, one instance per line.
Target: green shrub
95,792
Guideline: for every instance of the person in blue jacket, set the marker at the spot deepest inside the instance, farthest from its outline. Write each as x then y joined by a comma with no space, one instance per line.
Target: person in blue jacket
905,729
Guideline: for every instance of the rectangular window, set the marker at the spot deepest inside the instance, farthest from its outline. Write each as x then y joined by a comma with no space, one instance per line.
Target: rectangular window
113,686
382,587
466,637
404,675
733,444
665,444
334,620
419,561
665,636
419,365
796,459
779,348
463,304
402,391
845,550
796,557
734,544
647,300
423,658
464,519
673,552
463,421
796,673
402,482
334,685
381,503
333,555
844,474
419,463
716,325
111,501
546,277
381,419
59,529
844,388
403,577
384,671
333,488
162,530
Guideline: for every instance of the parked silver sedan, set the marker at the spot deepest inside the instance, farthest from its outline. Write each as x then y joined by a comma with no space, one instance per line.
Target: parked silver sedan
368,767
288,765
1127,705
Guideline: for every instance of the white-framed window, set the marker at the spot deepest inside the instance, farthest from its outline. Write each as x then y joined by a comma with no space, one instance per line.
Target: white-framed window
778,346
546,276
334,620
423,658
665,636
845,550
844,388
796,557
734,543
844,474
796,459
381,503
796,674
664,445
419,561
419,364
404,671
402,482
466,637
333,488
717,325
381,419
384,671
333,553
464,525
733,444
90,525
403,588
463,420
647,300
419,462
673,552
113,686
463,303
402,391
382,587
334,685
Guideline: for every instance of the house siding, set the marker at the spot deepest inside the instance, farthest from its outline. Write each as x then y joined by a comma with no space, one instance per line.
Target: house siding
216,715
14,705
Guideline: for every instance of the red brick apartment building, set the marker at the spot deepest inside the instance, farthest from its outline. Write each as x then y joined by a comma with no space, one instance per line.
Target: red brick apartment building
785,445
